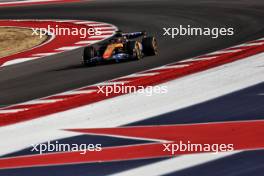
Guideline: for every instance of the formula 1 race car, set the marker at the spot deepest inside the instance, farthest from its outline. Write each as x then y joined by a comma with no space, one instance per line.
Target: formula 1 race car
122,46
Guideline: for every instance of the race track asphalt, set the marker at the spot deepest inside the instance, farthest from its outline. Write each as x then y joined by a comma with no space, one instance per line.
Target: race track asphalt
54,74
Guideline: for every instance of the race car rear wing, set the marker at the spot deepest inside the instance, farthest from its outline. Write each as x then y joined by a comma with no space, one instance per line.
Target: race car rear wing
134,35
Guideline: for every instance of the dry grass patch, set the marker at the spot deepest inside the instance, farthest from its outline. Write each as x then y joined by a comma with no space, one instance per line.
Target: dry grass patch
14,40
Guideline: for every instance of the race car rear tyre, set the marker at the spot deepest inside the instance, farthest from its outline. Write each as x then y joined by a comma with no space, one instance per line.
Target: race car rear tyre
150,47
88,54
134,50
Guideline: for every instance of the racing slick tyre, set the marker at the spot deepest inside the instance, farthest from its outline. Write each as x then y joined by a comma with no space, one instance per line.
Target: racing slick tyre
88,54
134,50
150,47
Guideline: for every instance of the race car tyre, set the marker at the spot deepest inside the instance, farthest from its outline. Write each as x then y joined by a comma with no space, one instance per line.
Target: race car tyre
88,54
150,47
134,50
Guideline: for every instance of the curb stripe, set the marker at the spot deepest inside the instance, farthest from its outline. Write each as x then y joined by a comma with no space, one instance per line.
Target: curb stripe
154,76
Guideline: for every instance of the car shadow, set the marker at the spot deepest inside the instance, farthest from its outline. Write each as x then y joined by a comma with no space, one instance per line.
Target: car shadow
82,66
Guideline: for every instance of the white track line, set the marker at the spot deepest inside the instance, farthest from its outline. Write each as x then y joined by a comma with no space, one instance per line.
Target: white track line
140,75
224,52
45,54
99,24
174,164
67,21
260,39
111,83
84,42
171,67
249,44
41,101
82,22
78,92
66,48
198,59
18,60
26,1
11,111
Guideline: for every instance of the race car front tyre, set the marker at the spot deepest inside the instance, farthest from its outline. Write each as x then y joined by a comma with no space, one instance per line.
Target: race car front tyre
134,50
150,46
88,54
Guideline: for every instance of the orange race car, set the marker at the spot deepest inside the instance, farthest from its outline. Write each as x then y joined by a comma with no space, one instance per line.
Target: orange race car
123,46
